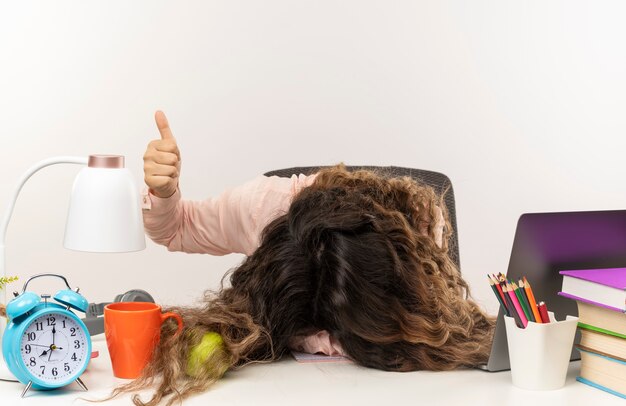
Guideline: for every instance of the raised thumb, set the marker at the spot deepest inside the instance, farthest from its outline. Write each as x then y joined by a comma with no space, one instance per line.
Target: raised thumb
163,125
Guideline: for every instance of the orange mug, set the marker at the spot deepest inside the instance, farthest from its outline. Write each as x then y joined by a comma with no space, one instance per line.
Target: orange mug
132,331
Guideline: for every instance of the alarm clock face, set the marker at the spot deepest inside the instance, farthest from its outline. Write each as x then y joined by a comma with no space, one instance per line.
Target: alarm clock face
54,348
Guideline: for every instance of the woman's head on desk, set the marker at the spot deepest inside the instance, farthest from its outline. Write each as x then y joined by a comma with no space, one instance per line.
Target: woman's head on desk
357,255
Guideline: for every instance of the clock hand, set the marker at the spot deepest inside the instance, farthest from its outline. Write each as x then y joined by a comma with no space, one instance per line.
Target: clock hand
46,351
53,332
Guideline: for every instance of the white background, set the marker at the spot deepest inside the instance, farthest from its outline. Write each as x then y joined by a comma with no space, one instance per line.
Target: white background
521,104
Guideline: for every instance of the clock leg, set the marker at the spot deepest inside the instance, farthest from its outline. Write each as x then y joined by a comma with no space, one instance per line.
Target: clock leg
81,384
30,383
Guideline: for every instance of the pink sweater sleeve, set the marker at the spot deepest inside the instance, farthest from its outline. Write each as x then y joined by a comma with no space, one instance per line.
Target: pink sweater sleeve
230,223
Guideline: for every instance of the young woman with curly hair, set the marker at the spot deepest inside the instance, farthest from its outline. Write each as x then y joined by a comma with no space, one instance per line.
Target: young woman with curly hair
338,262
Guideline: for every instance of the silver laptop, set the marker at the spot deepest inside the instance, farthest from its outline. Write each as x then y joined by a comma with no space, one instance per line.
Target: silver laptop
546,243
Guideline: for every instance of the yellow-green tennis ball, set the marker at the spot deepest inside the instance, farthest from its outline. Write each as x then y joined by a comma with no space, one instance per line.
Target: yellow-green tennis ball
209,354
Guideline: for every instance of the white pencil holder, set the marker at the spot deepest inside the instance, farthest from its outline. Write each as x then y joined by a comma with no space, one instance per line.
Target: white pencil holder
540,353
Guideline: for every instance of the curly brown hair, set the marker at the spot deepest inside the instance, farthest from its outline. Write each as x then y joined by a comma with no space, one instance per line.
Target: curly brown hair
354,255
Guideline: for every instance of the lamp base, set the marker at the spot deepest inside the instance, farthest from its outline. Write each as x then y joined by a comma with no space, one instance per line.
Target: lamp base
5,374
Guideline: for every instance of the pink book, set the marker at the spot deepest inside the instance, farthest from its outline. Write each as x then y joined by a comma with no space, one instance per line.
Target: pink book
600,287
304,357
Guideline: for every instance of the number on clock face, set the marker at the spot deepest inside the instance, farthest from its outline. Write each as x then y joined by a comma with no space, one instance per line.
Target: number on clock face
53,347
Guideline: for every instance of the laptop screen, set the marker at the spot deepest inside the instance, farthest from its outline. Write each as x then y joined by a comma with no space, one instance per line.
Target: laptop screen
546,243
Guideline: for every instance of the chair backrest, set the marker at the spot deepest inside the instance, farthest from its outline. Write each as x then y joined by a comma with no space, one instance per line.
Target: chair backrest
438,181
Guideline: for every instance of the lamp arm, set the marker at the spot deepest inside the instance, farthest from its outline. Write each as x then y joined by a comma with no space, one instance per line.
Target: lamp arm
9,210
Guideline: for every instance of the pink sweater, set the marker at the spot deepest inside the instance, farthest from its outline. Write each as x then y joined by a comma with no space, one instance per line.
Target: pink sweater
232,223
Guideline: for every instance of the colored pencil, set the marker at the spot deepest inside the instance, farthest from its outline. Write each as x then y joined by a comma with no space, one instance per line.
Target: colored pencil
543,310
521,300
518,320
533,302
517,305
499,288
495,291
527,302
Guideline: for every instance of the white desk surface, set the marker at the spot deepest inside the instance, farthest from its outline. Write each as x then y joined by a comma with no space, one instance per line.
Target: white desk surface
288,382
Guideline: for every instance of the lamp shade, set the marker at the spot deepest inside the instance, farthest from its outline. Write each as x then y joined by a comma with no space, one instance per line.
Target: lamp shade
104,213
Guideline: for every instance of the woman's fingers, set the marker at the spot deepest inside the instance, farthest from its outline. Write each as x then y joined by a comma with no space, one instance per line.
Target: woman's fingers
154,169
163,158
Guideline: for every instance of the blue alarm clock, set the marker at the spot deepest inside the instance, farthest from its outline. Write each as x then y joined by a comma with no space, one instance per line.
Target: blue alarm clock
45,345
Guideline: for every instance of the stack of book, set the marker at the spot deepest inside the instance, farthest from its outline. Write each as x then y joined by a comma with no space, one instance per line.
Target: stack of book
601,298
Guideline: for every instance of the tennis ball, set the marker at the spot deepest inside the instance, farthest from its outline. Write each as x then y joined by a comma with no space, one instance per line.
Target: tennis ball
210,355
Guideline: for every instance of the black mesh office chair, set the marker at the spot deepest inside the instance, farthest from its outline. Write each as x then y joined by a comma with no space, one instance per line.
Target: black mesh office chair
438,181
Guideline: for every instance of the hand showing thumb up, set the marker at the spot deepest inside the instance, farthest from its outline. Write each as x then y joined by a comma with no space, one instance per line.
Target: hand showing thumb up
161,162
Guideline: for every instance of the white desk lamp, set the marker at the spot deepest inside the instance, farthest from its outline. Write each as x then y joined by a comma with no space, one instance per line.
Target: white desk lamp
104,213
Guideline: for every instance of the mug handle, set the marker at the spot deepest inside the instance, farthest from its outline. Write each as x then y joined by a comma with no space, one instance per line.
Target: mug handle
179,320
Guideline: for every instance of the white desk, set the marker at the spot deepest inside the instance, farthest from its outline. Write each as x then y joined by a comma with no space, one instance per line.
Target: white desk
289,383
